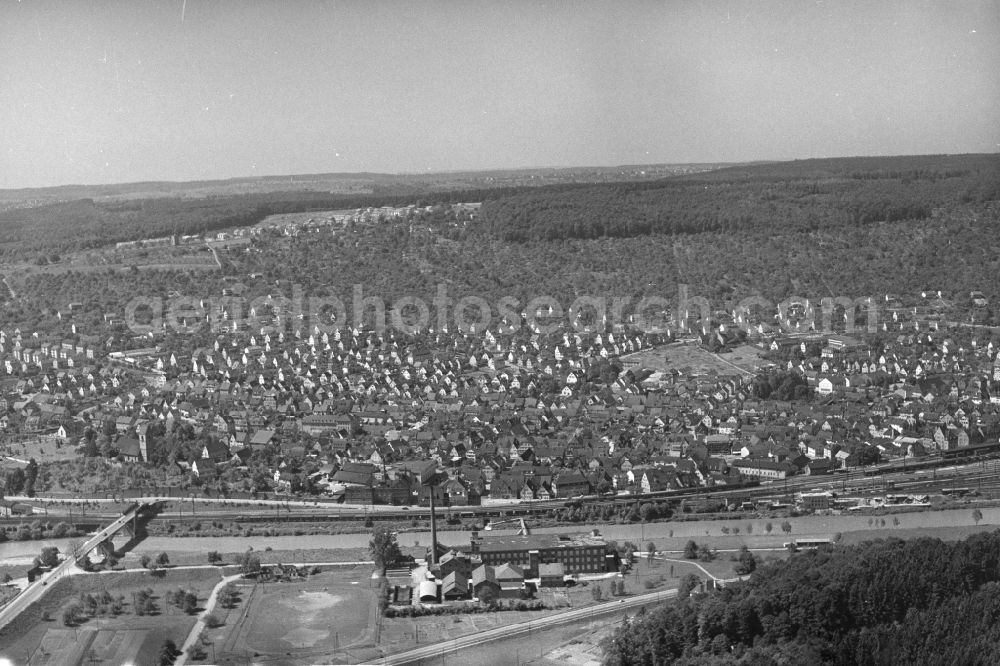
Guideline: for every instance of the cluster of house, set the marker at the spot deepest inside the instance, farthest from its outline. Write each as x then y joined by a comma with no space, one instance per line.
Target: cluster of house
172,240
361,415
293,224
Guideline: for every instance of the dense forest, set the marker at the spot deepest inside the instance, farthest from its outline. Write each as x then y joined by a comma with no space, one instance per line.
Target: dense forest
955,248
85,224
921,601
957,252
804,195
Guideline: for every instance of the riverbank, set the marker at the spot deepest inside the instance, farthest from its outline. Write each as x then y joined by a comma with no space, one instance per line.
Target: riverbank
666,536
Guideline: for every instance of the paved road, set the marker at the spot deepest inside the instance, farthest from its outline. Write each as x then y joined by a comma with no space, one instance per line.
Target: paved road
35,590
509,631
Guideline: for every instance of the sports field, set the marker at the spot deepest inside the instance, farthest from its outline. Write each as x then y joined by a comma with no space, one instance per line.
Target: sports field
303,621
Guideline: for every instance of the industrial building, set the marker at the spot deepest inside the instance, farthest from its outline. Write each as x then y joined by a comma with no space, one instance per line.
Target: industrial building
577,553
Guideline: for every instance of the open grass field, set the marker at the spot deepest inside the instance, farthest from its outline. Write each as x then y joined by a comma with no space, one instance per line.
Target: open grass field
401,634
300,622
576,644
16,569
303,555
330,618
690,359
747,357
50,641
281,219
42,449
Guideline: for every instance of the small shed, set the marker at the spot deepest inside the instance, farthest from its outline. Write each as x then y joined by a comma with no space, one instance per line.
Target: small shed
427,592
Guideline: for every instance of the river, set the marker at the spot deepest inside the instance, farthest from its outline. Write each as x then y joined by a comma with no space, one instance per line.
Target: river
668,535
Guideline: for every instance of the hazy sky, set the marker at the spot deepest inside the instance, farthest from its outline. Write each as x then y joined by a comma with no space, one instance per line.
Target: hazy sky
103,92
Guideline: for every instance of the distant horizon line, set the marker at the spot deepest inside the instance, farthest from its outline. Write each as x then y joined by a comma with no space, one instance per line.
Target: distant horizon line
320,174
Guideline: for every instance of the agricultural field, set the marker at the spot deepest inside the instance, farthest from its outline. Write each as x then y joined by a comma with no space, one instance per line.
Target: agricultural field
70,646
41,633
187,257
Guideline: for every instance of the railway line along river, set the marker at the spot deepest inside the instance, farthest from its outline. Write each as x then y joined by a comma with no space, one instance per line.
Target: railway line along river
669,535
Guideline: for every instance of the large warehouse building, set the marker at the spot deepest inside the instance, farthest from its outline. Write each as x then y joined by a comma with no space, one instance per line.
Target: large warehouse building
577,554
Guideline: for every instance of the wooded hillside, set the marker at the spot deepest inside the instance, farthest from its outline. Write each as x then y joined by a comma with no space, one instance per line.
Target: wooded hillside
803,195
86,224
922,601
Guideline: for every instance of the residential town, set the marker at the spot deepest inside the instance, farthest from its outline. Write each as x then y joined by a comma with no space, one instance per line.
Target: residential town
357,416
524,333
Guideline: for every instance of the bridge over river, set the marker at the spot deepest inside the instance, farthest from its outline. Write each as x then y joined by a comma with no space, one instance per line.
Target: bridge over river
126,523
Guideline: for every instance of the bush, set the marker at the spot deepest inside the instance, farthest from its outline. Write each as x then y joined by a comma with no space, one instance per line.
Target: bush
49,556
690,550
747,563
228,596
168,653
212,621
688,583
464,609
71,614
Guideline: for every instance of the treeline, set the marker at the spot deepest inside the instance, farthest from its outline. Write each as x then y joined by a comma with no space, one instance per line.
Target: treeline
930,167
808,195
86,224
781,385
922,601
